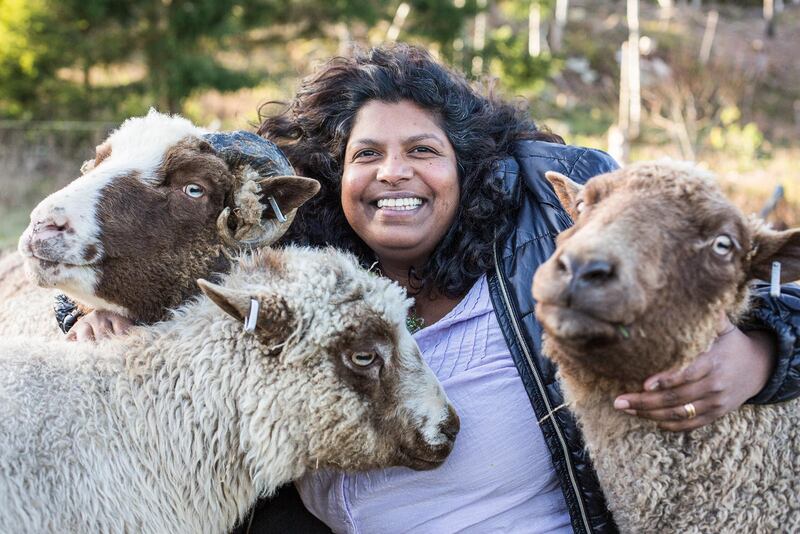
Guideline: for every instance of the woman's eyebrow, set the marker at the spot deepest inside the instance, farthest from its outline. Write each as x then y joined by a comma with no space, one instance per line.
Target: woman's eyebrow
407,141
422,137
365,141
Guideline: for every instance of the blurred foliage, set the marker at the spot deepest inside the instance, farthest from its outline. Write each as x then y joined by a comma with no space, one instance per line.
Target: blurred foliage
105,59
744,141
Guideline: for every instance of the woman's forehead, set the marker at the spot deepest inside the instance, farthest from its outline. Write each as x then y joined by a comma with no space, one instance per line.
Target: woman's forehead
377,120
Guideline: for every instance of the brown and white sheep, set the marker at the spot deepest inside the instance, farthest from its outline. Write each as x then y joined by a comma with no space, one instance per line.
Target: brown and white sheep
162,204
637,287
179,426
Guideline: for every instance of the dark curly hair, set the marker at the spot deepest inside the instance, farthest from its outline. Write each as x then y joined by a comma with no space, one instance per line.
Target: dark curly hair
314,129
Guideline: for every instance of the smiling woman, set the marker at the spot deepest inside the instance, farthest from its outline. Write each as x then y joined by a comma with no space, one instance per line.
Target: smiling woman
443,186
400,187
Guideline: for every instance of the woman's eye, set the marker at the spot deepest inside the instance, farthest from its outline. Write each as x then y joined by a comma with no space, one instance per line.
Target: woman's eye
367,153
722,245
423,150
194,190
362,359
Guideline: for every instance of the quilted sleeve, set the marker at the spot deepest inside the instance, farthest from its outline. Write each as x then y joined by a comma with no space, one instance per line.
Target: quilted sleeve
591,163
67,312
780,315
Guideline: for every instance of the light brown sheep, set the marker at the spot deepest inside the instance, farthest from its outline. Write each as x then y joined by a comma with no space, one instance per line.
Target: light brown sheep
636,287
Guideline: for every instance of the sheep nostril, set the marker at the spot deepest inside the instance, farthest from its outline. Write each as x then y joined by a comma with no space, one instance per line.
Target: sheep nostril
563,264
451,426
50,228
594,273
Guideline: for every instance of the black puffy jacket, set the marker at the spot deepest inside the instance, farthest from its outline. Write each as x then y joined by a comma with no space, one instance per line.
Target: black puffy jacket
540,218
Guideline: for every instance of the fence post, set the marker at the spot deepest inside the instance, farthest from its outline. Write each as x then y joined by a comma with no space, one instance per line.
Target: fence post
708,36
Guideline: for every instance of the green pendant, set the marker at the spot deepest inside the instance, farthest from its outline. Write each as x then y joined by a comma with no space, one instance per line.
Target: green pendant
414,323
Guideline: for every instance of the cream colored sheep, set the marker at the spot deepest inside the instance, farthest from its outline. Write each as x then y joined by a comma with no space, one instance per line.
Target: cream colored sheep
180,426
637,287
25,309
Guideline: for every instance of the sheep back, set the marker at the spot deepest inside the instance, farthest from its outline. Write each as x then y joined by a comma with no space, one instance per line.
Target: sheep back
25,309
738,471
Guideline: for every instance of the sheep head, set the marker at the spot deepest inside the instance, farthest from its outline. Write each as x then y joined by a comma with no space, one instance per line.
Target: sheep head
163,203
657,252
331,341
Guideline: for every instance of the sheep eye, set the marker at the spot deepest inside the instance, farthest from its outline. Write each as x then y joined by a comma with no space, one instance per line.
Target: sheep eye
362,359
194,190
722,245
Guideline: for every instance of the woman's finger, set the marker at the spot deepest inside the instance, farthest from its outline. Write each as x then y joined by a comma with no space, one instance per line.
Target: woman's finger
664,399
680,413
695,371
120,325
104,329
83,331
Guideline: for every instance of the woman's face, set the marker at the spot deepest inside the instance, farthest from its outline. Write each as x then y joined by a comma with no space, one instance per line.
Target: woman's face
400,186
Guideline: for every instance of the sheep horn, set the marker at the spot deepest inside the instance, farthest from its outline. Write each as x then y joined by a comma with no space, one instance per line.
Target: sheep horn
224,230
270,231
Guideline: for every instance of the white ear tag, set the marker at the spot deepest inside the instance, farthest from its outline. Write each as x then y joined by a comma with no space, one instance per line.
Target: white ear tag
276,209
775,283
252,317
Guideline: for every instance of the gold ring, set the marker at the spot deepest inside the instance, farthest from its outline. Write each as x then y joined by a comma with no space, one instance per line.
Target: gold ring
690,410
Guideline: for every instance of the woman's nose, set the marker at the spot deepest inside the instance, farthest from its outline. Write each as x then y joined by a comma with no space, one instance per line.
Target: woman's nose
395,170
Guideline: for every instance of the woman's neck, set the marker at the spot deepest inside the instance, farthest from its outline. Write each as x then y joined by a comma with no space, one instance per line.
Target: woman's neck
430,306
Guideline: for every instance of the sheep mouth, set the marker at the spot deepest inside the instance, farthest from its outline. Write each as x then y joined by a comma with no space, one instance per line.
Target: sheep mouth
576,326
44,262
419,463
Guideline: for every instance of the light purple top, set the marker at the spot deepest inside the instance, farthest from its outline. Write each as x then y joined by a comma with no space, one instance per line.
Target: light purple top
499,477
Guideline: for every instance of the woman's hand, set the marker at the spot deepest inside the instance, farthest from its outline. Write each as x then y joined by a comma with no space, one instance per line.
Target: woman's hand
97,325
734,369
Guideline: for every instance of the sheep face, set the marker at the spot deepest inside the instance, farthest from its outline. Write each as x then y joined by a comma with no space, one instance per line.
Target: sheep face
370,400
152,213
656,255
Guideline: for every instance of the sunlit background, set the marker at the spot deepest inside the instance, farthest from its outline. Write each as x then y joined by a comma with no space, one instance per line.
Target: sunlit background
716,82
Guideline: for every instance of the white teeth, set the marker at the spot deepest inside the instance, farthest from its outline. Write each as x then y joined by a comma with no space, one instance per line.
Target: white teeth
401,204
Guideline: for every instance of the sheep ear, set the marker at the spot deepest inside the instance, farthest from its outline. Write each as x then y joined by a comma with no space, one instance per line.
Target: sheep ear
101,153
288,192
232,302
566,190
769,246
274,315
87,166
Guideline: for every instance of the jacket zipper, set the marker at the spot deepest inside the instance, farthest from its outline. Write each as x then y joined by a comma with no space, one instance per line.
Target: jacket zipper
540,385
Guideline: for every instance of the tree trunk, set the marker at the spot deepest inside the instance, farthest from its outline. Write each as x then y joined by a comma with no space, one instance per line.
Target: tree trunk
397,23
634,71
708,36
769,17
479,38
559,24
534,29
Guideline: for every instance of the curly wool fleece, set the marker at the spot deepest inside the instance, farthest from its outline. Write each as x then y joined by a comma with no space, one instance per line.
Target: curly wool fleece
180,426
658,222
